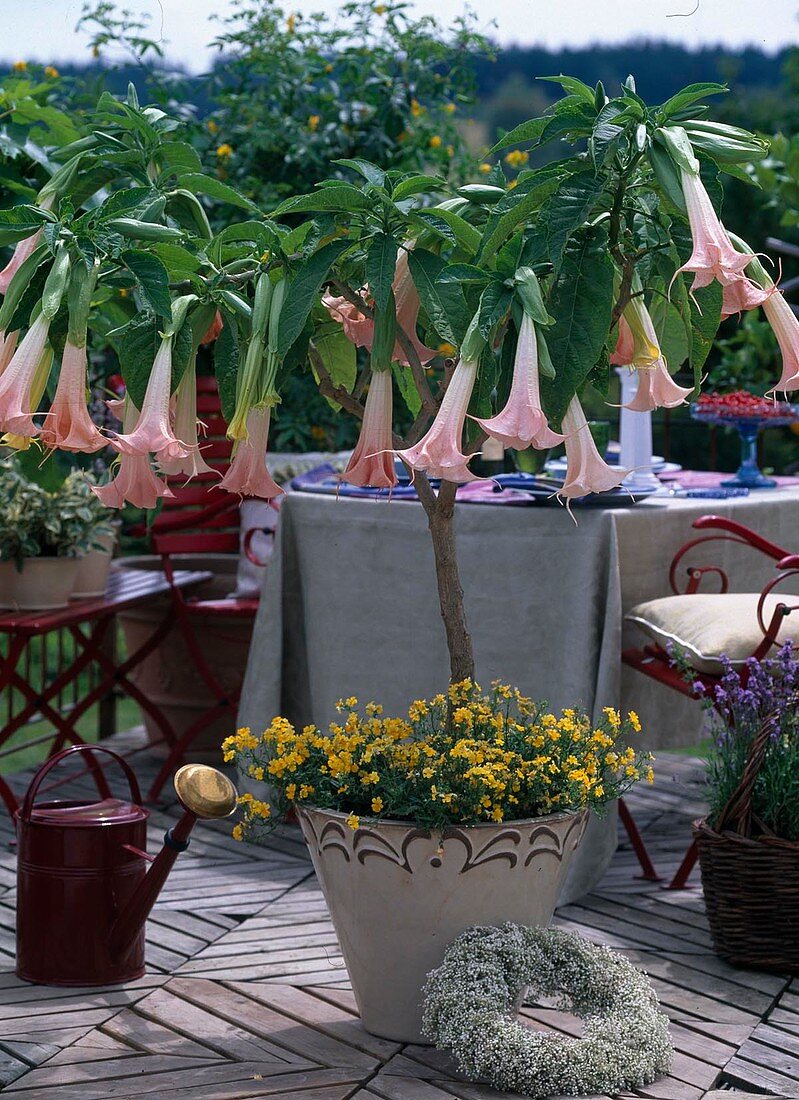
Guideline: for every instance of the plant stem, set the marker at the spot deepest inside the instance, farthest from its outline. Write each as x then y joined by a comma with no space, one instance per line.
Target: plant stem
440,520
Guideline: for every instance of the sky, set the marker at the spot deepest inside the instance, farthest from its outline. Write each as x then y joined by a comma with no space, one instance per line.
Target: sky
43,30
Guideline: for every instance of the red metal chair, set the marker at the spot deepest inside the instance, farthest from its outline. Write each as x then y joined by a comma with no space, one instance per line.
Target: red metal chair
200,519
654,660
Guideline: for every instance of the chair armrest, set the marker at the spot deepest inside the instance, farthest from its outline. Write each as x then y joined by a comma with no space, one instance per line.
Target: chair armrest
791,561
720,529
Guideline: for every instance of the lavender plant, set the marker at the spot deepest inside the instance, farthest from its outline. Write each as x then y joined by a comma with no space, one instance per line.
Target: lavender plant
738,705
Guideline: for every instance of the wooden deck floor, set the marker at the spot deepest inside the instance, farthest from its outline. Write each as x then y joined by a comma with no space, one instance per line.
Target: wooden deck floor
246,992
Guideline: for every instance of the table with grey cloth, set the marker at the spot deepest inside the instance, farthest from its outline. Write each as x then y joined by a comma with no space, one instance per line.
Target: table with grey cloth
350,607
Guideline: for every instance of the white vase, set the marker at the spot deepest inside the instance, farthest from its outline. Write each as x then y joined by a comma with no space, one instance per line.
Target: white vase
41,585
635,437
399,895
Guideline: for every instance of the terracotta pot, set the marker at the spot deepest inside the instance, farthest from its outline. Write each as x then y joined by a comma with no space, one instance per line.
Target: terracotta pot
93,569
399,895
41,585
168,675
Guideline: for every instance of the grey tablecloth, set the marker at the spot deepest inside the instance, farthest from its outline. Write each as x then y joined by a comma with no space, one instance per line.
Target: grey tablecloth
350,606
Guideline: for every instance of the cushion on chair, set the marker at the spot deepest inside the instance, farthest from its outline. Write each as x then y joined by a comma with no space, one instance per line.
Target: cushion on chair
706,626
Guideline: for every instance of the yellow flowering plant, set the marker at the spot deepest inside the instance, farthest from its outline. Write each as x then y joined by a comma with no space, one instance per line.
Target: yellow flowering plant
463,758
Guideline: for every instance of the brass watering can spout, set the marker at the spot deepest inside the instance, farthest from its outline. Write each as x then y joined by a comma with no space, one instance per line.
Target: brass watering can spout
205,794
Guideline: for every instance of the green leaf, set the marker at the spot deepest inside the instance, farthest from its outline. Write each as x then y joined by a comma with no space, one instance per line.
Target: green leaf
381,261
302,292
688,95
127,202
517,207
338,354
672,321
201,184
410,395
494,304
178,261
705,321
370,172
667,175
581,303
19,222
416,185
462,274
451,226
340,198
569,207
572,85
152,278
525,131
178,157
605,132
226,363
443,302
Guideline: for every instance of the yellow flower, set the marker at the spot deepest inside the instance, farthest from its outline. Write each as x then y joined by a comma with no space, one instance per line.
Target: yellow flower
450,108
238,832
447,350
485,168
20,66
212,126
377,805
516,158
635,721
512,184
380,9
291,791
51,71
353,821
435,142
95,51
416,108
450,150
224,151
329,67
291,23
313,122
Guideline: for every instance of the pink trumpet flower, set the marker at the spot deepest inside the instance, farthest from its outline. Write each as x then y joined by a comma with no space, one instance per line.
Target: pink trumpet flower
523,423
586,471
360,329
186,428
248,475
372,461
153,431
22,380
22,250
68,425
785,324
657,389
135,479
438,453
714,256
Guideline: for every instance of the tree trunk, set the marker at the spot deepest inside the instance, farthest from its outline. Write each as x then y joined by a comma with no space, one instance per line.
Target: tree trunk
440,517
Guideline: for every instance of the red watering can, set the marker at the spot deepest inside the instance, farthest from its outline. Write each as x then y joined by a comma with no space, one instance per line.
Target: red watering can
84,890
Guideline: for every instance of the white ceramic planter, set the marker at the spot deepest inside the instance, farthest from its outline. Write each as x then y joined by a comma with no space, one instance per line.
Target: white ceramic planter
42,584
399,896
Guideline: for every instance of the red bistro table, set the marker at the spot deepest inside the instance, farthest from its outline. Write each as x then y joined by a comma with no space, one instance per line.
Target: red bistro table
90,622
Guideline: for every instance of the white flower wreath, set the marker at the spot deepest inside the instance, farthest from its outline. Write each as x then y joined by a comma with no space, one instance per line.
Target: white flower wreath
472,999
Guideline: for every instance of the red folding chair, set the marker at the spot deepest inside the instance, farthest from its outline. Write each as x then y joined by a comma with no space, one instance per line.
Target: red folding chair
768,618
200,519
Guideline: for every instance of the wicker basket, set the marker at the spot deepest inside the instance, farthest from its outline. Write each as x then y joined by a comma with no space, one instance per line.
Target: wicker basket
751,883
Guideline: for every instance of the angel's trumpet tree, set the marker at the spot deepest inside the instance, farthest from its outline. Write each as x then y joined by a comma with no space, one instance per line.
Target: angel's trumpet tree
24,248
637,347
135,481
248,475
586,471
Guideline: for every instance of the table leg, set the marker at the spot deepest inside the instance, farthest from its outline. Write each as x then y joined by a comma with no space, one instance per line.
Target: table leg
647,867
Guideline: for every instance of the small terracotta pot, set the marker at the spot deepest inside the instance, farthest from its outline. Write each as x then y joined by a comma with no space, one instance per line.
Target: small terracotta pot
399,895
42,584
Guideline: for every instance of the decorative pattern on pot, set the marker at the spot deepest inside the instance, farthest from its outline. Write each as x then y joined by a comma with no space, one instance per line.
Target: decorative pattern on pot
399,895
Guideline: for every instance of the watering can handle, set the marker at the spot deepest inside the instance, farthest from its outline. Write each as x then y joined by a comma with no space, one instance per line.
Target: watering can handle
27,805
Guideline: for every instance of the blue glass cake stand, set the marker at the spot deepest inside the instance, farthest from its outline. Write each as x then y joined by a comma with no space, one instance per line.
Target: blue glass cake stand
749,427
